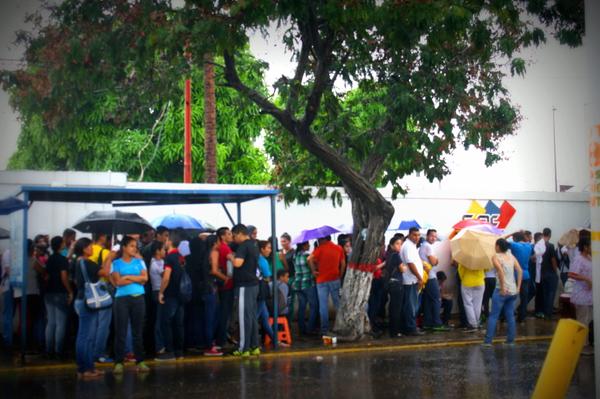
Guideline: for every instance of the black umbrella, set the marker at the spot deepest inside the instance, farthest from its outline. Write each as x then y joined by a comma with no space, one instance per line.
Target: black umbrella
10,205
113,221
4,234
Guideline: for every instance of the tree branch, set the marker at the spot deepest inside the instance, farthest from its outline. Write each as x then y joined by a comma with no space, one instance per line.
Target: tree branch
300,71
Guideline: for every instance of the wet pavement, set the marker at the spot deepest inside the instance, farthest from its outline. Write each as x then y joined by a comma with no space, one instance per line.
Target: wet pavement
469,371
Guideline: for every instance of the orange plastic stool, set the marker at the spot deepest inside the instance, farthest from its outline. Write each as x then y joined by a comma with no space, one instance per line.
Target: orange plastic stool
283,334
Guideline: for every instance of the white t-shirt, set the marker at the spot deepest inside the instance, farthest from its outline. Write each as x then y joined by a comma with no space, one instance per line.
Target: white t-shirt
425,251
410,254
539,249
157,267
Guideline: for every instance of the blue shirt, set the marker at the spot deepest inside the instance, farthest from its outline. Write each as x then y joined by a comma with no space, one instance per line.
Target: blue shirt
263,266
522,251
133,268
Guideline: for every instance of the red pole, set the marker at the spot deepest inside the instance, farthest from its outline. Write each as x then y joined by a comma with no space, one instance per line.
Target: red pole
187,157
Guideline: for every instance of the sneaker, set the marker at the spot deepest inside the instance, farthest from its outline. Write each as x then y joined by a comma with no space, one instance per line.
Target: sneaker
213,352
161,351
255,352
130,357
441,329
104,360
142,367
239,353
487,345
118,368
165,357
285,344
539,316
471,330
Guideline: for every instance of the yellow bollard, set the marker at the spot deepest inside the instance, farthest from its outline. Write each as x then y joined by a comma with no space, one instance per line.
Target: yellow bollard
561,360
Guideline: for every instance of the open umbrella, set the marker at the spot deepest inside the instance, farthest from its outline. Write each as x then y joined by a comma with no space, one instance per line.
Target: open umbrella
570,238
113,221
474,249
178,220
11,204
486,228
468,223
313,234
4,234
408,224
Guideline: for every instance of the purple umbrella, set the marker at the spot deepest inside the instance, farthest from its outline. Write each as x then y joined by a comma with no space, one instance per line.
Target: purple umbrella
486,228
313,234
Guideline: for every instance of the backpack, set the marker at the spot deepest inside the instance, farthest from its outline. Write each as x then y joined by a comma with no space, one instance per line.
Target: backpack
185,287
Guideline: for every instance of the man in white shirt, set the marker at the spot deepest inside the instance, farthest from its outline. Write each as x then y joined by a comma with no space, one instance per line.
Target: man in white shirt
412,281
431,292
538,251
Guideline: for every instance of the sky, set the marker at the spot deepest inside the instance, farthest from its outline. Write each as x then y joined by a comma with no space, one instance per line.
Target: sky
556,78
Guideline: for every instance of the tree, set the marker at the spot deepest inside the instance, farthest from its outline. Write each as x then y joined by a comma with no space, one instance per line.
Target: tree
110,97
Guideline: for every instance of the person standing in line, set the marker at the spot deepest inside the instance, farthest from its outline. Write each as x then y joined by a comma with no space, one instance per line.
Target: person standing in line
393,272
539,249
549,269
286,256
505,295
88,318
472,288
210,296
101,255
58,298
157,268
304,288
264,278
581,295
129,274
412,280
245,282
522,251
328,264
225,284
431,294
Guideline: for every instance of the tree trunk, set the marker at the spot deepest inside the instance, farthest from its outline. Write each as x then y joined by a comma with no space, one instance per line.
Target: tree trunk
370,224
210,121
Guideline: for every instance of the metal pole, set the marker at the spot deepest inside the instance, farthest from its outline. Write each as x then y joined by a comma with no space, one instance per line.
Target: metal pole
554,136
274,272
239,212
187,149
24,283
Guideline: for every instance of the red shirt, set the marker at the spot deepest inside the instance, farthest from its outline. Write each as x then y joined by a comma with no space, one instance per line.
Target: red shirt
224,250
328,258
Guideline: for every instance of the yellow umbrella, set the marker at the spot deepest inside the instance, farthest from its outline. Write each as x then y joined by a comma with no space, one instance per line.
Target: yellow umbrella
570,238
474,249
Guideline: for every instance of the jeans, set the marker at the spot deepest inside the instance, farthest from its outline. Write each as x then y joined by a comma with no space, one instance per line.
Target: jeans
56,312
539,298
490,286
461,305
247,313
324,290
472,298
7,317
432,304
104,319
410,305
158,337
375,300
209,300
396,304
502,303
86,336
446,310
263,318
523,298
172,314
307,296
224,314
549,285
129,309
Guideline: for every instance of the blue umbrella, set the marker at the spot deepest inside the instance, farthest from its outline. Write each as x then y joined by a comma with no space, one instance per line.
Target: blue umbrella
408,224
11,204
313,234
177,220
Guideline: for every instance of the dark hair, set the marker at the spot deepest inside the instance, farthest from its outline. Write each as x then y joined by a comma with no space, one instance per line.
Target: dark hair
281,273
69,233
518,236
81,244
393,240
584,233
176,237
30,246
537,236
326,238
221,231
251,229
156,246
527,232
584,242
400,236
502,244
286,236
56,243
431,231
38,238
547,232
441,276
342,239
300,245
126,240
412,230
240,229
262,244
161,229
97,236
211,240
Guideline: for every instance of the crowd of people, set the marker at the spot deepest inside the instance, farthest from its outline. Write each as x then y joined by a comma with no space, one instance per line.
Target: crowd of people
163,293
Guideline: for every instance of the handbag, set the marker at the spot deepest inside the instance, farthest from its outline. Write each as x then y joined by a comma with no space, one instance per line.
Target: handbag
96,295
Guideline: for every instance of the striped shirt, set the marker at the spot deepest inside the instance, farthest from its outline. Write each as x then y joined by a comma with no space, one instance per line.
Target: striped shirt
303,278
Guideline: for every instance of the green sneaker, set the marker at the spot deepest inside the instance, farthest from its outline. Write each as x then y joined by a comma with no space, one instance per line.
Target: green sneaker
255,352
239,353
118,368
441,329
142,367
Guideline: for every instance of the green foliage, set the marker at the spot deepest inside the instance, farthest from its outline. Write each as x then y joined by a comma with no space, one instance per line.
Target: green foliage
103,91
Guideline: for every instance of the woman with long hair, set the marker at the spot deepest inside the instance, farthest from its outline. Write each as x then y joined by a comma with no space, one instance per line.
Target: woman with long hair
581,295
